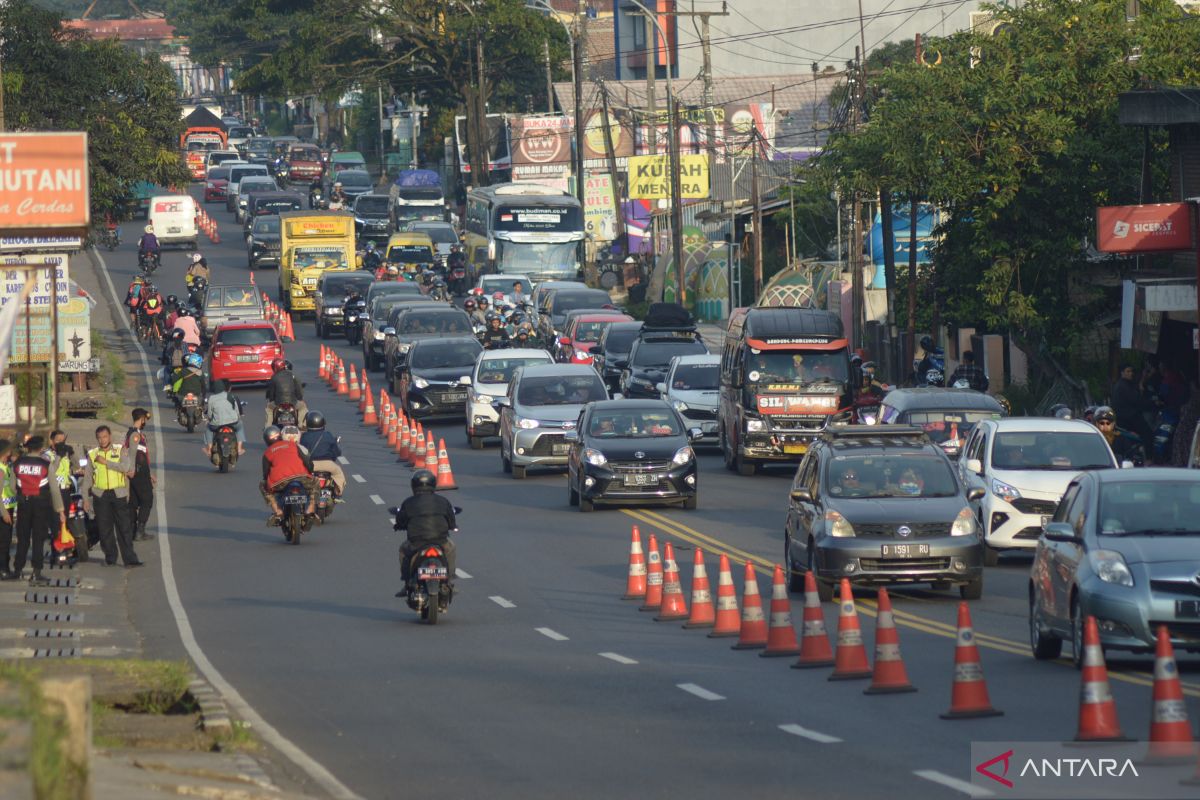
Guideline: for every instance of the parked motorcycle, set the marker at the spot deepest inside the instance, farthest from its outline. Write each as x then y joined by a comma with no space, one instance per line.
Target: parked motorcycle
64,554
429,590
224,448
189,412
325,502
293,500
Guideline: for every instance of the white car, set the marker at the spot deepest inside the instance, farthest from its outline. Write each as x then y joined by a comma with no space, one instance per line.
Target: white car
489,380
1024,465
692,386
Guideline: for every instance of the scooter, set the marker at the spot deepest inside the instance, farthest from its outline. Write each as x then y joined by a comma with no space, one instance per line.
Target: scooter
284,414
189,412
458,281
196,292
148,262
325,501
64,554
224,448
293,500
353,313
429,590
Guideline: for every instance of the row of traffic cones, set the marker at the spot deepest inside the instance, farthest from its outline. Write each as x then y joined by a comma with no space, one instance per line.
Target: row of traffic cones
208,225
281,319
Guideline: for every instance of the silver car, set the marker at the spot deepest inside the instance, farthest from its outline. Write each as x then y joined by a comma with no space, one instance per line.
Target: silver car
692,386
543,401
493,371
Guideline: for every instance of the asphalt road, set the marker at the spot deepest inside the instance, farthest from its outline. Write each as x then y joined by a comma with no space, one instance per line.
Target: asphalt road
540,681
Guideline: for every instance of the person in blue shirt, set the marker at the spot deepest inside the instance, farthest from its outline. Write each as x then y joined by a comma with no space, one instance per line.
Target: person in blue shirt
323,449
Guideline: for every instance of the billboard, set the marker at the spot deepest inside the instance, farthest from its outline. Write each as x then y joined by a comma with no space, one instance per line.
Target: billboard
1150,228
599,207
43,181
541,145
620,126
649,177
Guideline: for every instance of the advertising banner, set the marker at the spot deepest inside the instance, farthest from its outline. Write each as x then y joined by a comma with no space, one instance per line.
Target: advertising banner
1150,228
74,336
12,281
43,181
599,207
621,130
649,177
541,145
12,244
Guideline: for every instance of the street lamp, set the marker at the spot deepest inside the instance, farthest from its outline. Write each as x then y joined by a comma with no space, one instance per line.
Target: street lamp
544,5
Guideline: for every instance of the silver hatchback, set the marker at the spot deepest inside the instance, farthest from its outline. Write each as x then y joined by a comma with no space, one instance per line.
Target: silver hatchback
542,403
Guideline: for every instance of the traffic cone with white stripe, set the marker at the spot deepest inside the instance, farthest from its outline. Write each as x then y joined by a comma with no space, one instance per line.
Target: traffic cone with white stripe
418,448
781,636
445,478
815,650
850,656
321,363
370,416
969,697
1097,709
365,395
353,392
385,409
635,583
402,450
674,606
654,578
1170,732
342,388
703,612
890,676
431,454
727,621
288,334
753,632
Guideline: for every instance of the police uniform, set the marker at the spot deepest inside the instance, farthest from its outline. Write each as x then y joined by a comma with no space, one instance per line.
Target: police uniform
8,499
141,488
106,483
38,502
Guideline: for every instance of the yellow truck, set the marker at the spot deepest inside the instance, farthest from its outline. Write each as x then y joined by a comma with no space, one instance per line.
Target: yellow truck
310,244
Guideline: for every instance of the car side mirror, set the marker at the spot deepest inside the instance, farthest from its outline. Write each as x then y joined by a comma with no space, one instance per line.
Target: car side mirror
801,496
695,434
1061,532
975,494
1127,464
502,402
571,436
661,387
465,380
974,465
620,364
457,510
596,350
389,331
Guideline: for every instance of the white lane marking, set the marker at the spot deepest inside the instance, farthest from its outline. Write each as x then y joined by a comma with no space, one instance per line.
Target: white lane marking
343,460
969,789
500,601
617,657
376,499
359,479
551,634
816,736
700,691
233,698
458,573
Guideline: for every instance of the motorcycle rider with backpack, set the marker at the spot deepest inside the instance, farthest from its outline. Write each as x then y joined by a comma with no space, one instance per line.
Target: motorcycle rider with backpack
429,518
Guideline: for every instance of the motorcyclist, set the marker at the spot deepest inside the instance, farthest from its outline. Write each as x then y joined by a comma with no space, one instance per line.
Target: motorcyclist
429,518
184,321
284,388
971,372
282,463
197,269
495,337
469,306
172,311
148,245
930,361
324,450
456,260
372,257
111,229
222,409
190,379
152,306
337,197
1126,446
869,385
479,314
133,298
438,291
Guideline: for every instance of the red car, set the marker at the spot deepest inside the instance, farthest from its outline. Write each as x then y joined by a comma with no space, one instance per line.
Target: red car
214,185
582,333
242,352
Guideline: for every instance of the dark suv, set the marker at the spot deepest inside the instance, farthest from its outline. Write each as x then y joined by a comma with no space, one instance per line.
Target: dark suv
881,504
650,358
408,324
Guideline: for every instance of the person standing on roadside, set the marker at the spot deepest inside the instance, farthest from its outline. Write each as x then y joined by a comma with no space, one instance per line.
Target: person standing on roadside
105,489
141,485
8,506
38,501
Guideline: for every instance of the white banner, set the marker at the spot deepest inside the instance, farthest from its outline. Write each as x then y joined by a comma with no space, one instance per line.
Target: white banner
13,280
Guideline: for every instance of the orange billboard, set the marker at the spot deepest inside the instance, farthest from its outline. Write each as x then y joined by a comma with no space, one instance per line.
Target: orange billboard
43,181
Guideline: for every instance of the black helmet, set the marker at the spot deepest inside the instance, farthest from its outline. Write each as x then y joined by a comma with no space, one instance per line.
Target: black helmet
1061,411
172,300
927,342
1104,414
271,434
423,481
468,304
314,421
288,365
177,334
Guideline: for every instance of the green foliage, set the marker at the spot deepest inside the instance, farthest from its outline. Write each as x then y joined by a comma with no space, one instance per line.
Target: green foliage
814,217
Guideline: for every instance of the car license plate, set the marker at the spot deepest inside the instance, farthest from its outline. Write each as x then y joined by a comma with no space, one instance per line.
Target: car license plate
456,397
648,479
798,449
1187,609
174,230
560,449
904,550
247,359
432,573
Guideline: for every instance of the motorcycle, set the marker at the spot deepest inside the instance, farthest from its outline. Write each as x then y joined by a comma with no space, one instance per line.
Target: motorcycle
196,292
429,590
866,411
934,364
224,448
294,502
325,502
148,262
353,314
189,412
64,555
284,414
111,238
458,281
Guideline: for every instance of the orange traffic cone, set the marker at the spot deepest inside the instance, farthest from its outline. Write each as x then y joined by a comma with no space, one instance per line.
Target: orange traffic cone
398,447
1170,732
370,416
385,407
342,388
815,650
753,633
727,622
969,697
890,677
289,333
673,605
216,235
635,584
850,659
431,454
654,578
1097,709
331,369
418,449
364,396
353,392
321,363
703,611
445,478
781,636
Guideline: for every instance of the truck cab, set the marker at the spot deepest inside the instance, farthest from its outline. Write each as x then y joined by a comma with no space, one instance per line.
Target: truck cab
310,244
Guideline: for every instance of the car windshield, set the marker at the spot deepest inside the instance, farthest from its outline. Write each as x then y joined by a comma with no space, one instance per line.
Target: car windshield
341,288
500,370
567,301
1150,508
640,424
371,204
217,158
237,297
267,224
240,132
437,322
535,257
503,283
788,366
620,341
893,475
696,377
446,354
321,258
659,354
356,179
246,337
949,427
276,206
1051,450
219,173
558,390
259,145
410,254
441,234
249,185
589,332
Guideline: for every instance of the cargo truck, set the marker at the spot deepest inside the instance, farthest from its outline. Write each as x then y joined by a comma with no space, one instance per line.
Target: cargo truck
310,244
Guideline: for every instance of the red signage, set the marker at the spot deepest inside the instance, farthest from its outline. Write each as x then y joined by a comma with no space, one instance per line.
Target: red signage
43,181
1152,228
771,404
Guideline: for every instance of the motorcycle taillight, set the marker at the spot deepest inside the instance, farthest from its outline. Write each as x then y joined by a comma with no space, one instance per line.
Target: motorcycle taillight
432,552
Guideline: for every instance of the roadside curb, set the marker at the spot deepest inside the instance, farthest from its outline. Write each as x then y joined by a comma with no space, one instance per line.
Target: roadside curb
214,714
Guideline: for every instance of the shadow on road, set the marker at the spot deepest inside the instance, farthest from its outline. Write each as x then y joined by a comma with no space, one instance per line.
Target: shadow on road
319,607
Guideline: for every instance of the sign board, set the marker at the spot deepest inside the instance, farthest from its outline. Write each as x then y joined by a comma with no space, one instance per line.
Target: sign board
1151,228
12,244
599,207
74,336
12,281
649,177
44,181
1171,296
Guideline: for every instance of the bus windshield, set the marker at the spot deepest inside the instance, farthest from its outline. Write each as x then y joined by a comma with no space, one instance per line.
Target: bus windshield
787,366
536,257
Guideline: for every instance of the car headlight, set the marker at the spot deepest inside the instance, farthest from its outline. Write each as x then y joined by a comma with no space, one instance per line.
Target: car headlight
210,185
297,291
1110,567
333,309
594,457
755,425
1004,491
420,382
964,523
379,336
682,456
404,347
838,526
680,405
527,424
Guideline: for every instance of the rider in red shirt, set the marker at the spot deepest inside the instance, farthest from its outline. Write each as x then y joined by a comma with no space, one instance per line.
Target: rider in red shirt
282,463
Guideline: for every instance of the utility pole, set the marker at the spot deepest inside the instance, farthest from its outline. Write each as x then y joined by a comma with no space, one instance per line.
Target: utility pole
549,80
856,272
610,155
482,177
577,60
756,219
677,206
710,114
912,262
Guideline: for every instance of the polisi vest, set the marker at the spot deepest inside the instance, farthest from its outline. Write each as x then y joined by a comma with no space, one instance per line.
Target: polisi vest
105,474
8,492
62,473
33,476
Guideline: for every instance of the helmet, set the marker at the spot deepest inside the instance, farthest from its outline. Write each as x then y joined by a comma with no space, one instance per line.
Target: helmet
149,229
927,343
184,311
1105,414
469,304
150,287
290,432
288,365
423,481
271,434
1089,413
497,296
1005,404
195,361
855,359
393,269
138,279
177,334
278,365
197,258
492,316
478,290
962,383
172,300
483,301
1061,411
314,421
337,184
370,246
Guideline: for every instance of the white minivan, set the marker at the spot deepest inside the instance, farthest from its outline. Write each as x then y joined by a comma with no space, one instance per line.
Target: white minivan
174,219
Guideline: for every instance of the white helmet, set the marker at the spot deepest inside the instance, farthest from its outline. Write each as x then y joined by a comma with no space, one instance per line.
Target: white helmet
197,258
149,229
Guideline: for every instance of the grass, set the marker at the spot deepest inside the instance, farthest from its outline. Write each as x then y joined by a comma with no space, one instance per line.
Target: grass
54,776
162,685
112,378
240,738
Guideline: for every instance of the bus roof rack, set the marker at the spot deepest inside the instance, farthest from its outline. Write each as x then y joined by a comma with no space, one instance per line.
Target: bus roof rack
881,433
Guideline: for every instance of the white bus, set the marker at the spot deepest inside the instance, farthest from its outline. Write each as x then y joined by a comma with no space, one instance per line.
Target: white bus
524,229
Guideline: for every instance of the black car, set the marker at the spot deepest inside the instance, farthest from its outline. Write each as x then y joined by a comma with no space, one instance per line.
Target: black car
371,221
553,313
631,452
258,151
333,288
260,204
881,505
650,359
411,323
262,243
614,345
433,380
375,320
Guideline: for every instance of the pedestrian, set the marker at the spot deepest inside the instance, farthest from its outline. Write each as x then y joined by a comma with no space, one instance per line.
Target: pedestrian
141,485
105,488
971,372
59,436
8,506
38,502
1131,406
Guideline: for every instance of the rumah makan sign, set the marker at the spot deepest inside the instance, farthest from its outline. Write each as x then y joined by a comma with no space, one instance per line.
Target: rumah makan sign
1150,228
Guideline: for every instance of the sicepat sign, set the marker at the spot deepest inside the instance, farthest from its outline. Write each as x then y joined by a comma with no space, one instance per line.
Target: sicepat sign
43,181
1150,228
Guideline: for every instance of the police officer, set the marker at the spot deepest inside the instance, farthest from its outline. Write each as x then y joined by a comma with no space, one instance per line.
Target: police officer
8,506
141,485
105,488
38,500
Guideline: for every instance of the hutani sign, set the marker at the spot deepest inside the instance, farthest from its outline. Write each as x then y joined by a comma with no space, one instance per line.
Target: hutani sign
649,177
1152,228
44,181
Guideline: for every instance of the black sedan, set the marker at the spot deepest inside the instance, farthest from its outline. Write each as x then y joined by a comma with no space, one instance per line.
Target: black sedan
433,380
631,452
